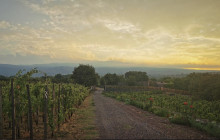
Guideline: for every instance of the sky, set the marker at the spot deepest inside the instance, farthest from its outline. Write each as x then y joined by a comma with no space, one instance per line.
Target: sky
156,33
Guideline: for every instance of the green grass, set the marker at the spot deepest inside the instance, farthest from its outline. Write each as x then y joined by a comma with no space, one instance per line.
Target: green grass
87,120
160,112
209,128
180,119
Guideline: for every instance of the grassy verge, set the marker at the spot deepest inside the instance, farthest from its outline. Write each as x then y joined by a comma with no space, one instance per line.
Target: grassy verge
208,127
82,123
86,119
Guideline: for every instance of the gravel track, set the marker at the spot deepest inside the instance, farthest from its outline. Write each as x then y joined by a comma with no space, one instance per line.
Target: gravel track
116,120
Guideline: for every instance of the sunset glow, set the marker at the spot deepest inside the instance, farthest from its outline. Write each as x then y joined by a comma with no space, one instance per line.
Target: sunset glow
161,33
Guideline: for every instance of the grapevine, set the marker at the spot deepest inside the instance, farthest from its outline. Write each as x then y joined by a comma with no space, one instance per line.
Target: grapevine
71,96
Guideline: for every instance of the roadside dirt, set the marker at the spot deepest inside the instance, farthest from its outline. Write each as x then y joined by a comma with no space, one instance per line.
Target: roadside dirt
117,120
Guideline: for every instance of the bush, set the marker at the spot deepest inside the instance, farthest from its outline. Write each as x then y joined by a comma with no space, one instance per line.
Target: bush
161,112
180,119
210,128
156,92
152,109
146,106
127,101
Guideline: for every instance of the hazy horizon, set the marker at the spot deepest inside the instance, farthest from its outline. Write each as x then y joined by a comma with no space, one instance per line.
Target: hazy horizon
181,34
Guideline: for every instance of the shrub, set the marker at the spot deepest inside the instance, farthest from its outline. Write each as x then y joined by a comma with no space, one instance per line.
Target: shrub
161,112
152,109
157,92
210,128
180,119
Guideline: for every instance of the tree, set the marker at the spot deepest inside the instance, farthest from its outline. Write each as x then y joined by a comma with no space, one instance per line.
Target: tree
85,75
111,79
134,77
3,78
102,81
57,78
204,86
131,80
98,79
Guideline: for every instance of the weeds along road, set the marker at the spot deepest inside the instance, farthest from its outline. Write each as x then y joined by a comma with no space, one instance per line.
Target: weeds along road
116,120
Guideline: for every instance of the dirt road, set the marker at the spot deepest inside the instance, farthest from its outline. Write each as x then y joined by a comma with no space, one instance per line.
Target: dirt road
116,120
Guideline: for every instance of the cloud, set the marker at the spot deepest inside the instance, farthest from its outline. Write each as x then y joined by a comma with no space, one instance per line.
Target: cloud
4,25
25,59
120,26
42,7
128,31
153,47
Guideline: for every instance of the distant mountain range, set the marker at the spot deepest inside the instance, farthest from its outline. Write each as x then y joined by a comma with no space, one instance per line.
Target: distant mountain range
67,68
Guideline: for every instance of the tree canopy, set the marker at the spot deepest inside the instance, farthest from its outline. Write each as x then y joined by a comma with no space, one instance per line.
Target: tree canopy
110,79
139,76
133,77
59,78
201,85
130,78
85,75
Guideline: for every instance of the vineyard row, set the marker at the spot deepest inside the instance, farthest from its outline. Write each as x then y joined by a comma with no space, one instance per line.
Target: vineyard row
27,109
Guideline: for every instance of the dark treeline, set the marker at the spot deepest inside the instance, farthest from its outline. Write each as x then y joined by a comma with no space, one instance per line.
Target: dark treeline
131,78
83,75
205,86
201,85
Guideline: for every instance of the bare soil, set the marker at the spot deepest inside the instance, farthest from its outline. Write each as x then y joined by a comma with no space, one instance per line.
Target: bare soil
117,120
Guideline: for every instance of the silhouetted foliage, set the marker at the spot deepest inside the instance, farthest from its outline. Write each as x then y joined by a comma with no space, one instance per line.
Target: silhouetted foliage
59,78
133,77
85,75
3,78
201,85
110,79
